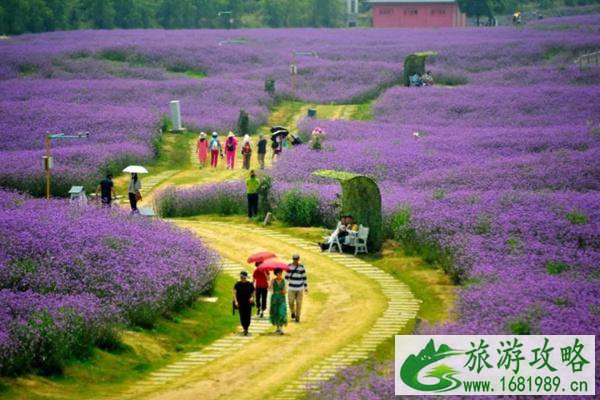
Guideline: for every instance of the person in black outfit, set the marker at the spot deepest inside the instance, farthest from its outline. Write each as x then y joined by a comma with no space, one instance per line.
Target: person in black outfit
107,190
262,151
243,295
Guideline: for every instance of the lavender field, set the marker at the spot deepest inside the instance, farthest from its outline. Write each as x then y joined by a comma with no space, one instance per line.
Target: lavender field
501,187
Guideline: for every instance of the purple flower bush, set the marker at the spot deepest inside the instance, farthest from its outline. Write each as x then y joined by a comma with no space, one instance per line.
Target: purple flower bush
69,275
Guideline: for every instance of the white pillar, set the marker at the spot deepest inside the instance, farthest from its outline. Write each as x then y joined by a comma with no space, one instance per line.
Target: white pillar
176,115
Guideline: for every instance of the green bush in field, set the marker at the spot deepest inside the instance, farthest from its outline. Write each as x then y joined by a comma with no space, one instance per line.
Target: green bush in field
298,209
243,124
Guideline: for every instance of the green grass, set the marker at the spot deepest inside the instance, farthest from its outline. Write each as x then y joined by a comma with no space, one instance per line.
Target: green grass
144,351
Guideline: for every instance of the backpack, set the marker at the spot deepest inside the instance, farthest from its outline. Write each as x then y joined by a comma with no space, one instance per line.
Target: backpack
230,146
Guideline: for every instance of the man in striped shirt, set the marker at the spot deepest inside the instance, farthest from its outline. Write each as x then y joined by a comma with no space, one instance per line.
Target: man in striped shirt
297,286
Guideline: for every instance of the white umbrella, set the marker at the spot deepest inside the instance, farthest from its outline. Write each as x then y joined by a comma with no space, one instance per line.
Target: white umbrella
136,169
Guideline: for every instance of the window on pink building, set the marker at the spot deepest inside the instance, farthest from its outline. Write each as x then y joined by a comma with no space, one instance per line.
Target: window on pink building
412,11
386,11
438,11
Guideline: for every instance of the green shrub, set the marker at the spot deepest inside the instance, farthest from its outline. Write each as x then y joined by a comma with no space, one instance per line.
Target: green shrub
450,79
514,244
243,123
483,226
298,209
577,217
556,267
264,195
520,328
439,194
560,301
270,86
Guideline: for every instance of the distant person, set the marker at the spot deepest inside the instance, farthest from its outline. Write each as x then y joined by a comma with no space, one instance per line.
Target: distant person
276,146
415,80
427,79
215,149
106,189
278,309
297,286
202,149
261,287
230,147
252,184
262,150
243,297
246,151
135,185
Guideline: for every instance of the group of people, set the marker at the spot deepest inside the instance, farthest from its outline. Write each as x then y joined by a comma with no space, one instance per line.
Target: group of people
247,294
106,191
216,149
425,79
341,234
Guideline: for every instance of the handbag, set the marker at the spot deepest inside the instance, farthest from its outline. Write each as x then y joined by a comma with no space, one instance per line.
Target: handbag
138,196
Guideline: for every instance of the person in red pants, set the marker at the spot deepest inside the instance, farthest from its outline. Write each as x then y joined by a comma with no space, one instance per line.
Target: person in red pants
215,149
230,147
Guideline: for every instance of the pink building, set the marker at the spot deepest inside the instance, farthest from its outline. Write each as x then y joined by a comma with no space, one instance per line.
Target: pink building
417,14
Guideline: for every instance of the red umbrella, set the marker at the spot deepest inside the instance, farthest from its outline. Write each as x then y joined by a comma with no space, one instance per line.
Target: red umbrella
260,257
272,264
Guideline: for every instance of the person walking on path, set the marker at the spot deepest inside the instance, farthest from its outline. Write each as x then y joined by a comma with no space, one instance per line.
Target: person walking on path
106,188
261,288
243,297
215,149
278,309
202,149
135,185
230,146
262,150
246,151
297,286
252,184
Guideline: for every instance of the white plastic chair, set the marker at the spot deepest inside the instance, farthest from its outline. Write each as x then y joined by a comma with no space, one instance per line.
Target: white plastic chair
333,239
360,246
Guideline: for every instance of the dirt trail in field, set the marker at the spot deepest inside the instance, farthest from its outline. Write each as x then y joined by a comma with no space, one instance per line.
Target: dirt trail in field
350,309
352,306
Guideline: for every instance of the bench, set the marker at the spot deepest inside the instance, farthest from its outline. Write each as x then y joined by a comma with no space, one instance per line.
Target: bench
358,240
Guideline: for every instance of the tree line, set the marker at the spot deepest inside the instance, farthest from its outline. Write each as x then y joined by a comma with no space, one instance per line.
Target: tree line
20,16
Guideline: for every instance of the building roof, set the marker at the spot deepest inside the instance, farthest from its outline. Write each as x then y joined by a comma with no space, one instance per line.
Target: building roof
408,1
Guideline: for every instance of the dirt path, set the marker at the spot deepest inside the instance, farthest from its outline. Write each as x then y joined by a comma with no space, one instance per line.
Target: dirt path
351,308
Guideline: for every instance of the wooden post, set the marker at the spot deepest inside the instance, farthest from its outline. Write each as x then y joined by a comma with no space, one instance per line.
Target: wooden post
48,145
293,74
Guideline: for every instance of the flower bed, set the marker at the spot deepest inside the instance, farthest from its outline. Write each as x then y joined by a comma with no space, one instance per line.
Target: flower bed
70,275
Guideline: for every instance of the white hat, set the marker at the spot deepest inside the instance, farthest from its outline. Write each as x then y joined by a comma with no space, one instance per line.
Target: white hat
231,134
246,138
215,134
202,135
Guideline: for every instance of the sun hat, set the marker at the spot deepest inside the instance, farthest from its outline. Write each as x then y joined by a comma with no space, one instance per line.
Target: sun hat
202,135
230,134
246,138
215,134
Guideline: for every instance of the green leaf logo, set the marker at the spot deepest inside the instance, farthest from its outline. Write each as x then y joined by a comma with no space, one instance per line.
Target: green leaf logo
409,372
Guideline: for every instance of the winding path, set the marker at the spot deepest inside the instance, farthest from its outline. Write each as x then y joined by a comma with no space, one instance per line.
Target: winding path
352,307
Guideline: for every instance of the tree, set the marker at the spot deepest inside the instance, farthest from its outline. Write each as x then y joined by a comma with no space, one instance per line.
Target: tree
101,13
325,13
476,8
